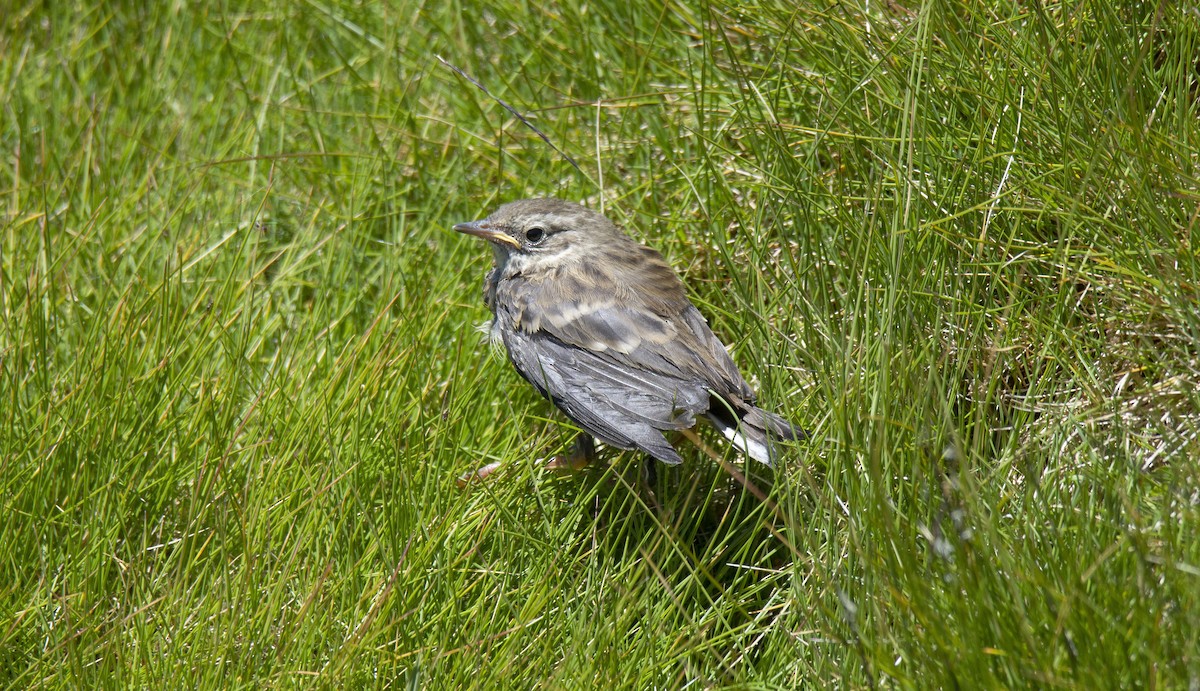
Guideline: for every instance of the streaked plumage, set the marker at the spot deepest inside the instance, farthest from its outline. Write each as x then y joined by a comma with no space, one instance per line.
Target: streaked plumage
602,327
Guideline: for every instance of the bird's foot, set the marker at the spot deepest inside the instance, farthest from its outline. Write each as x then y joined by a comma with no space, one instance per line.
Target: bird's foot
480,474
582,453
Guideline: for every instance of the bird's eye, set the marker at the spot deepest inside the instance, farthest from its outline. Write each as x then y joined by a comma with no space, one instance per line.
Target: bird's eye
535,235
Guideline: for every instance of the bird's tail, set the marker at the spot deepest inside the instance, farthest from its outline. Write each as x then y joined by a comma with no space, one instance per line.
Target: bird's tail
753,430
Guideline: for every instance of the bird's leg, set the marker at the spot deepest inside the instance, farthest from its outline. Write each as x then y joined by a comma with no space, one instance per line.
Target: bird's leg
649,471
649,478
583,452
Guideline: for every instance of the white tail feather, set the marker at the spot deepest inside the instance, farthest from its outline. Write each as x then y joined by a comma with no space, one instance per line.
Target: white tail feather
751,447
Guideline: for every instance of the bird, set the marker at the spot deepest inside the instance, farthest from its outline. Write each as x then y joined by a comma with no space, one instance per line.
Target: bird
602,326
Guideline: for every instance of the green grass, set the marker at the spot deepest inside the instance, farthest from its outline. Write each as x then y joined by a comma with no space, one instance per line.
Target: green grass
239,370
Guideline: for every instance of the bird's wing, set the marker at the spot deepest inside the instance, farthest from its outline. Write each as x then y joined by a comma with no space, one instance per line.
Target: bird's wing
628,407
665,337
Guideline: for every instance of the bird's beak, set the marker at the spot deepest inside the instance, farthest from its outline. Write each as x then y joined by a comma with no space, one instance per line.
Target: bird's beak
483,229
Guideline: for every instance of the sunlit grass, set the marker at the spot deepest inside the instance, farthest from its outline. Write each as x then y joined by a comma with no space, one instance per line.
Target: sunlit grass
240,369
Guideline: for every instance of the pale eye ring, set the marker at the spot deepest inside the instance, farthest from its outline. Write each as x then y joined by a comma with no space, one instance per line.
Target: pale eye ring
535,235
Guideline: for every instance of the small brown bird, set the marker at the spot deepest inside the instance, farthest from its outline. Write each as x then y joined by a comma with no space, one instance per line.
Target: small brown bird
602,327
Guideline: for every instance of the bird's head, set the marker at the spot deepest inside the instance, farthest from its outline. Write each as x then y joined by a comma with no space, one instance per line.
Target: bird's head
543,231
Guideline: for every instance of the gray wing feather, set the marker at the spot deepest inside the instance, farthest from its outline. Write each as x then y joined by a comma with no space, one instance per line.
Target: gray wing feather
622,406
682,347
